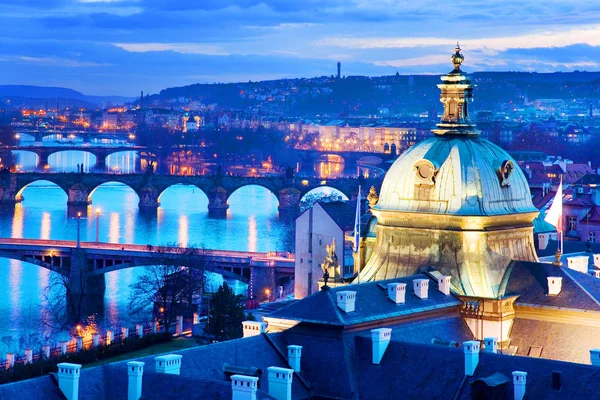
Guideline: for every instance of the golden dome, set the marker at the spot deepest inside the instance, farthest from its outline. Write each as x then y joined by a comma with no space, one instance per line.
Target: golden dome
458,175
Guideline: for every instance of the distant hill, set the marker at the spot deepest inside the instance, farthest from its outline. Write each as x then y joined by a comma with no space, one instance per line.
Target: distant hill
40,92
27,94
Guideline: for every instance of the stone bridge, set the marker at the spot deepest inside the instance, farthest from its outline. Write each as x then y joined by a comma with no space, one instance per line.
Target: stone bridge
86,264
79,187
100,152
351,158
87,136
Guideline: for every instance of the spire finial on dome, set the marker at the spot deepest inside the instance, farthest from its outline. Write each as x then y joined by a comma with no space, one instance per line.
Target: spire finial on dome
457,58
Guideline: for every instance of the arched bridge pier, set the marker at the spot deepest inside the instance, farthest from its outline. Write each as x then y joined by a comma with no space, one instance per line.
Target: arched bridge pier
84,267
149,188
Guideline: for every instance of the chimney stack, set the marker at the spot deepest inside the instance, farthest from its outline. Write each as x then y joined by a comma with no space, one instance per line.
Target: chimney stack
243,387
253,328
294,356
381,339
519,383
135,370
68,380
595,273
397,292
280,383
168,364
554,285
444,284
421,288
491,344
597,260
346,300
595,357
471,349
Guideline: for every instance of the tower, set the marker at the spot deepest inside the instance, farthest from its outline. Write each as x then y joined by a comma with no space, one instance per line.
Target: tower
455,203
142,100
339,74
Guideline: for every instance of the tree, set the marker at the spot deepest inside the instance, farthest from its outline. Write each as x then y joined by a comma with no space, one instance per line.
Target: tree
167,288
226,314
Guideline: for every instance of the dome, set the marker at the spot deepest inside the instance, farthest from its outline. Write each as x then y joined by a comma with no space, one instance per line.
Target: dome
456,203
459,175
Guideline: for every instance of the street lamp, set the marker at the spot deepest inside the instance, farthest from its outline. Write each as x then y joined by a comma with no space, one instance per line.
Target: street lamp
78,229
97,224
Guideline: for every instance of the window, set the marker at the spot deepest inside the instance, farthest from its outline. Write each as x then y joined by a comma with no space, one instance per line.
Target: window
572,223
592,237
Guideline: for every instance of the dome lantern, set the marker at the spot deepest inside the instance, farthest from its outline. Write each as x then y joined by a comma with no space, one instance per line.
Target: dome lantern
456,92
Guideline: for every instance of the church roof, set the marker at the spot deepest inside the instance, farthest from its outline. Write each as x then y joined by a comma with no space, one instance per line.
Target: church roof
529,281
372,304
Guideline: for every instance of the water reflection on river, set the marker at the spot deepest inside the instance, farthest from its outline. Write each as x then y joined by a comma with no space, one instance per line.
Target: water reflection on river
251,224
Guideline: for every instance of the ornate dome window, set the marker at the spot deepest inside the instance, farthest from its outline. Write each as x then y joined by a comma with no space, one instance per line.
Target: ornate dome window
506,170
425,172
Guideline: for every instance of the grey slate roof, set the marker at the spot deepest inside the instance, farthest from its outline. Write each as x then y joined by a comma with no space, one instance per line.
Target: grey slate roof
342,213
529,281
559,341
413,371
372,304
570,246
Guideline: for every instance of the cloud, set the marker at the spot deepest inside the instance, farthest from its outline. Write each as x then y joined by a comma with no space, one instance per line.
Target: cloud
183,48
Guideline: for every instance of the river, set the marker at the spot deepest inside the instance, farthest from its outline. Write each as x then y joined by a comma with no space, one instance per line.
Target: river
251,224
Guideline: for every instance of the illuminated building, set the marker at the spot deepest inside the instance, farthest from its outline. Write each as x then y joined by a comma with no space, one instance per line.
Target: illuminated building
455,203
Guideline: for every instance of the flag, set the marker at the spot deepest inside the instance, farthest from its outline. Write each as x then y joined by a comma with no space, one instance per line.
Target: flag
357,223
555,214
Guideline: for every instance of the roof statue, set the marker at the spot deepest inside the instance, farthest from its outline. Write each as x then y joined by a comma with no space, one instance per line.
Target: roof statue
331,266
455,202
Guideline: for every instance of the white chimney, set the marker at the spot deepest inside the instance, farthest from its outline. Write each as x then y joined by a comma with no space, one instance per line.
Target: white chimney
110,336
380,338
135,370
243,387
421,288
95,339
595,273
68,380
471,349
168,364
63,346
519,383
294,356
491,344
543,240
444,284
124,333
578,263
139,328
79,343
346,300
554,285
280,383
595,357
597,260
397,292
253,328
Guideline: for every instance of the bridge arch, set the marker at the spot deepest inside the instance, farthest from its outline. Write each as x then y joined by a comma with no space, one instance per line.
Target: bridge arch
108,184
23,158
183,190
271,190
316,194
262,198
37,182
124,160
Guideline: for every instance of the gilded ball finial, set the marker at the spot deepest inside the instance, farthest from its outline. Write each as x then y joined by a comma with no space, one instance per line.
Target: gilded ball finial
457,58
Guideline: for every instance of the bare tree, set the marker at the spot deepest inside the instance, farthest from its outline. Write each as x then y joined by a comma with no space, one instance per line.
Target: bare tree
174,281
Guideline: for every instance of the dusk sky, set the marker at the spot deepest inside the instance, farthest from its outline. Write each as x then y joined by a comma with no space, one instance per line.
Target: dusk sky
119,47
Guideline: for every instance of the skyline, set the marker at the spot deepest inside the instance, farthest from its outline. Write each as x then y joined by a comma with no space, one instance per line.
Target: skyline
117,47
